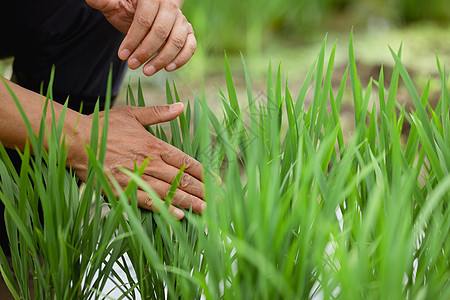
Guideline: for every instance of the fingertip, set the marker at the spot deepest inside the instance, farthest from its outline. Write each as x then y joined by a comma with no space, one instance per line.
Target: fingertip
176,107
171,67
184,55
134,63
178,213
149,70
124,54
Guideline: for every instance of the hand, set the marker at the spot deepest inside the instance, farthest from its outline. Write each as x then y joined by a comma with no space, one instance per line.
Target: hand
158,26
129,142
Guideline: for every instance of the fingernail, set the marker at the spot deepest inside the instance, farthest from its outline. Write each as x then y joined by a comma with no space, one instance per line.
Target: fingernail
124,54
149,70
171,67
176,106
203,207
133,63
178,213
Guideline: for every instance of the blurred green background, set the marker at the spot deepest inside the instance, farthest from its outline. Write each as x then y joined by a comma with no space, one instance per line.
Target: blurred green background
251,25
269,29
290,32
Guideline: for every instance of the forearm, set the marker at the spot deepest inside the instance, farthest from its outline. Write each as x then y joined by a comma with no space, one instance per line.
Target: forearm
13,132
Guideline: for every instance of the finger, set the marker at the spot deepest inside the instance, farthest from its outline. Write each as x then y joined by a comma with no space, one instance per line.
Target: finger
143,20
171,48
159,32
185,54
157,114
180,199
167,173
178,158
146,202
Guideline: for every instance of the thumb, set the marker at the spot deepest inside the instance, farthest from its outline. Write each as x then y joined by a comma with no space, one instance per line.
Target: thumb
157,114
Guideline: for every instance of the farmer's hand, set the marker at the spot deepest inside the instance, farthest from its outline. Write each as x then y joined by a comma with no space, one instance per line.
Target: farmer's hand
158,26
129,142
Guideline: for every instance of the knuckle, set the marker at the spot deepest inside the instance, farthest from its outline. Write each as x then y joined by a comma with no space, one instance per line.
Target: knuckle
169,156
161,32
145,53
185,181
148,202
187,162
193,46
144,21
158,147
178,42
158,112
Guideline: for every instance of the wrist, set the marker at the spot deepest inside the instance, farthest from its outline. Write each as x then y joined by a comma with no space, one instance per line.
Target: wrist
77,131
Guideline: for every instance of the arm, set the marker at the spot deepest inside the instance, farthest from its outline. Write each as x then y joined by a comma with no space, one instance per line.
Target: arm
12,129
128,142
152,27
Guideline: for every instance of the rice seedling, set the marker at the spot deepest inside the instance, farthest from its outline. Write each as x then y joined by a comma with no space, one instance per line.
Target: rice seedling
65,253
302,212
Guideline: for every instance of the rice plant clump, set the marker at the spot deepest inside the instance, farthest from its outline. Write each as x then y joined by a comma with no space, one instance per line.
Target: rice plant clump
302,212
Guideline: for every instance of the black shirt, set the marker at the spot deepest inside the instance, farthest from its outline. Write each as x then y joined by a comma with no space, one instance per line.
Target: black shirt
69,34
